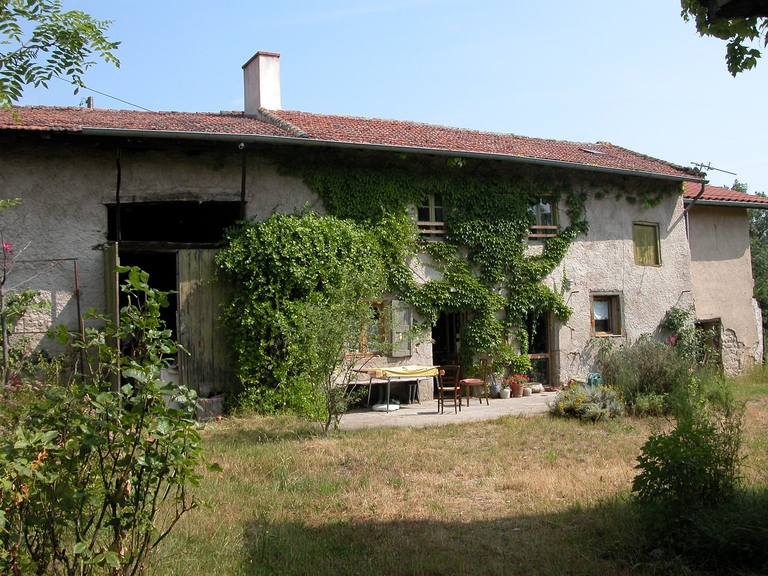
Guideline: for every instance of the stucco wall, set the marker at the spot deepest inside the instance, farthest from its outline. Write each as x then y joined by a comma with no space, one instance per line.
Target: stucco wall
721,269
603,262
65,188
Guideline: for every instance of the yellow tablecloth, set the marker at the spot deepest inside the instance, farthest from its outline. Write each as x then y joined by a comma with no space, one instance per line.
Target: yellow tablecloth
405,371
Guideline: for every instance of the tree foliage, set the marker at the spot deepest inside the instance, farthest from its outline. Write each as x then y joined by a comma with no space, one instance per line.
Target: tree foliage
41,42
741,34
758,240
93,478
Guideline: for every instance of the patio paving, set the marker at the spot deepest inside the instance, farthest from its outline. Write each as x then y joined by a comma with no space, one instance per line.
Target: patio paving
426,414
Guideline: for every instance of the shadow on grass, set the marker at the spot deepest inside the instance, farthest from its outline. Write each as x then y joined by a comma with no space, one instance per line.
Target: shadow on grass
581,541
261,429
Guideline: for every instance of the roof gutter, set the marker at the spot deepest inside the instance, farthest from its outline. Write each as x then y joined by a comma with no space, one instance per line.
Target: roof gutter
728,203
225,137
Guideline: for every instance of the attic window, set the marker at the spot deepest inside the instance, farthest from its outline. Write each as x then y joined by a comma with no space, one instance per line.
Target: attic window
593,151
431,217
543,216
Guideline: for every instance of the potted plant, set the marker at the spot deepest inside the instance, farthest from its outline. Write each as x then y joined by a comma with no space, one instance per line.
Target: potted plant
505,391
517,382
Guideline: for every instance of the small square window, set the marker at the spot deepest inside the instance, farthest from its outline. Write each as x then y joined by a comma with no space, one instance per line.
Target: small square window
606,315
647,247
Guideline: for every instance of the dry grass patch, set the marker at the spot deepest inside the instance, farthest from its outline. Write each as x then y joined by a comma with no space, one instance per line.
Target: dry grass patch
518,495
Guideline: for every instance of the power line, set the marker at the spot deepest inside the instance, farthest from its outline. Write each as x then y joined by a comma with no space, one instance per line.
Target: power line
84,87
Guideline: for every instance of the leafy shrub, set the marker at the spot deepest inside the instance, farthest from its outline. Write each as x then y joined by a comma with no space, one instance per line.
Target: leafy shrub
695,466
588,403
689,341
644,368
87,471
649,404
285,270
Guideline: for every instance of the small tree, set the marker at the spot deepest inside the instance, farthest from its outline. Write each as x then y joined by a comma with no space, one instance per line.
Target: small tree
328,333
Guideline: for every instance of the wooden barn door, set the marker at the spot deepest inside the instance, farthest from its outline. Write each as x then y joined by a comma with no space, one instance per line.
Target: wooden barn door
207,368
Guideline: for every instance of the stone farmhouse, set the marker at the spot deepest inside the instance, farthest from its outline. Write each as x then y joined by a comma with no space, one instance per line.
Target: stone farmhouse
156,189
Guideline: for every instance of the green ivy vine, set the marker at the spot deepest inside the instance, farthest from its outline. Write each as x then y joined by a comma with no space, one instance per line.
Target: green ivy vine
483,259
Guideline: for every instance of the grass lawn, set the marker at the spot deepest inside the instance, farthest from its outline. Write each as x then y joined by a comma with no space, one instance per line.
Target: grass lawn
518,495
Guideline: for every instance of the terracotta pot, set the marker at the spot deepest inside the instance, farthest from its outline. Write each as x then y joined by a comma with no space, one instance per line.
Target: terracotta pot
517,389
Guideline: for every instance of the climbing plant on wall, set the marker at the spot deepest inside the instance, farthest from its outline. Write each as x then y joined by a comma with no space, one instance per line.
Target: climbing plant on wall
485,266
282,269
483,260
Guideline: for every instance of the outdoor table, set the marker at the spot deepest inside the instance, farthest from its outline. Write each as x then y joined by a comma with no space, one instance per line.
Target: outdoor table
400,373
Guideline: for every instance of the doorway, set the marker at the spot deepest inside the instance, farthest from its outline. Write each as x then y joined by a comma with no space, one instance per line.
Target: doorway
446,335
161,267
539,329
175,243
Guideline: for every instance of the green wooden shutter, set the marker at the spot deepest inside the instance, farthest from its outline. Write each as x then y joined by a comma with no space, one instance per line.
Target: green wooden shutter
207,368
402,320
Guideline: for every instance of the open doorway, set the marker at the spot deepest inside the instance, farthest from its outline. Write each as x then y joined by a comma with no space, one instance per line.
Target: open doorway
447,337
175,242
161,267
539,349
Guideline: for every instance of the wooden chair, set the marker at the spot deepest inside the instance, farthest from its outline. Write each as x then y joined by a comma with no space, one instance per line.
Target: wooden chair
448,387
470,383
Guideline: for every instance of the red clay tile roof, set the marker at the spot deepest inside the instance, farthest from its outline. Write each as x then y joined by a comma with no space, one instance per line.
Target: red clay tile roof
75,119
417,135
722,196
345,130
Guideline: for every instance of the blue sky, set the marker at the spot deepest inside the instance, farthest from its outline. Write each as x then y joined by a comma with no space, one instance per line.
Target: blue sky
631,73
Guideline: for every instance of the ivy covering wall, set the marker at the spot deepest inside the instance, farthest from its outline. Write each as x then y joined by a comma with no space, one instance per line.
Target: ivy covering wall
484,267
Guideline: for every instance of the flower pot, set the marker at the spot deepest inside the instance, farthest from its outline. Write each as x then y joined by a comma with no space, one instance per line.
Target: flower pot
527,391
494,390
517,389
504,393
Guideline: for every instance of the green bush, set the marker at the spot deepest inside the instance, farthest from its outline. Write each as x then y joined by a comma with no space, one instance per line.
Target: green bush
692,468
643,371
94,476
286,271
588,403
649,404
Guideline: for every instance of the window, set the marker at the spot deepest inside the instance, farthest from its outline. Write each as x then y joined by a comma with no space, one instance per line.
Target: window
374,330
543,216
389,322
606,315
647,248
431,217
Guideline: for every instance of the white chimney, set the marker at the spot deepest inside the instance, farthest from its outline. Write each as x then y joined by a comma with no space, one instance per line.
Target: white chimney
261,75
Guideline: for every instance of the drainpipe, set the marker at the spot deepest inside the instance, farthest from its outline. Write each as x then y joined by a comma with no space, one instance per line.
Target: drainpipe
118,228
699,195
242,182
